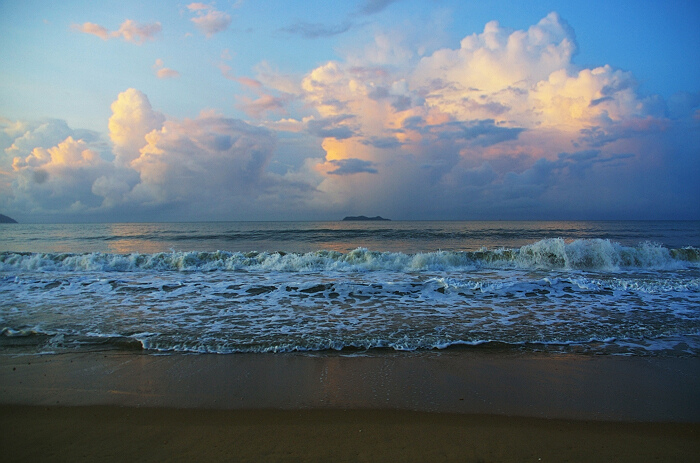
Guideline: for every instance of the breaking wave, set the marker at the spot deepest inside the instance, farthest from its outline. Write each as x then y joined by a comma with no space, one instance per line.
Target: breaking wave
556,253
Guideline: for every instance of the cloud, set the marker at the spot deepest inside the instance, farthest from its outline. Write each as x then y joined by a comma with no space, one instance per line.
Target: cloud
684,104
330,127
58,178
264,104
382,142
208,19
132,118
210,157
374,6
23,137
227,72
317,30
94,29
164,73
129,31
502,125
308,30
504,122
198,6
351,166
267,100
207,166
476,132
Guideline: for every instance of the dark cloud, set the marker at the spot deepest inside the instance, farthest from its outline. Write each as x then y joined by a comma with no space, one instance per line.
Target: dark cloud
352,166
477,133
335,103
379,93
330,127
398,102
374,6
320,30
317,30
543,172
382,142
401,103
598,101
683,104
413,123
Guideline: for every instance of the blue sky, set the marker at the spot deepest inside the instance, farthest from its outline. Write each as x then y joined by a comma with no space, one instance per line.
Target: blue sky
413,109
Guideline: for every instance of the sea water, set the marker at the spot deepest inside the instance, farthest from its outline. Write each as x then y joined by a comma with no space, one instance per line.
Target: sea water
619,288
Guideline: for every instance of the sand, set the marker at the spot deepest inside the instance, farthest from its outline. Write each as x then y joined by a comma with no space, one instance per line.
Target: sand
454,405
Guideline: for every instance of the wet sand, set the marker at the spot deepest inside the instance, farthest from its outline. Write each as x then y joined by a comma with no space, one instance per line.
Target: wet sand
454,405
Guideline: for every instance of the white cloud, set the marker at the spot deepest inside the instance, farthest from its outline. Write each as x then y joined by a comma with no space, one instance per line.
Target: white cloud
59,178
132,118
205,157
207,165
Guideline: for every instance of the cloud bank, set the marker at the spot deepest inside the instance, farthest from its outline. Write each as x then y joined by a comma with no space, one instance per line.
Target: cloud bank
502,125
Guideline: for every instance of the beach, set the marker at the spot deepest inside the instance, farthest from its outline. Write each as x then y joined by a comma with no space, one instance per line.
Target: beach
454,405
341,341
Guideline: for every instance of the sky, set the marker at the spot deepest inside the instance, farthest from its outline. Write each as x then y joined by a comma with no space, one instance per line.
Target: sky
133,111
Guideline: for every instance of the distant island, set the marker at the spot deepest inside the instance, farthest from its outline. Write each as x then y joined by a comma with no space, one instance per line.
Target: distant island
6,219
364,218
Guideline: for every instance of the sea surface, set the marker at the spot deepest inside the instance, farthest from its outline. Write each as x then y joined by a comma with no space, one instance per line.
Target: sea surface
588,288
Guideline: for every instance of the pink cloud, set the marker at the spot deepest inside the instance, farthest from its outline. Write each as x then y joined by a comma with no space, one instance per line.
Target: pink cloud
208,19
92,28
164,73
256,108
130,31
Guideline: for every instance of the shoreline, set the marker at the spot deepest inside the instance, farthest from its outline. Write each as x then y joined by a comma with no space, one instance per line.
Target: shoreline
430,406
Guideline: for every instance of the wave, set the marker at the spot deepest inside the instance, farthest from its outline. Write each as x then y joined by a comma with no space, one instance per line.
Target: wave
554,253
32,341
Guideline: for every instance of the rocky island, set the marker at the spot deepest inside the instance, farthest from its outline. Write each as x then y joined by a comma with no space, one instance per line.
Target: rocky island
6,219
364,218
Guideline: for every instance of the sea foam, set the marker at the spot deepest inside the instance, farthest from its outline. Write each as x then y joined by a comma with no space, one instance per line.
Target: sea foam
584,254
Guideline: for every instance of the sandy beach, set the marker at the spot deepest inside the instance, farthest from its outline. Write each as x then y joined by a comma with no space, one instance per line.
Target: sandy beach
454,405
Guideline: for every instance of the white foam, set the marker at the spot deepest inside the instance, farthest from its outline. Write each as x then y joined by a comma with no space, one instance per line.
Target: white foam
588,254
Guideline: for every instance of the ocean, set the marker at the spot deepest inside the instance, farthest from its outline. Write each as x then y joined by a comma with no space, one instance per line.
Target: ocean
586,288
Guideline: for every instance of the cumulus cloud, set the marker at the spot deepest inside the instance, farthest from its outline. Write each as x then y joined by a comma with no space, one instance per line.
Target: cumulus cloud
129,30
207,165
208,157
506,116
132,118
208,19
22,137
502,124
58,178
